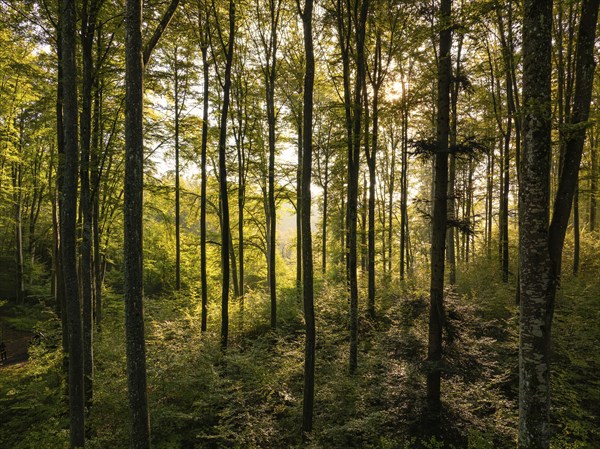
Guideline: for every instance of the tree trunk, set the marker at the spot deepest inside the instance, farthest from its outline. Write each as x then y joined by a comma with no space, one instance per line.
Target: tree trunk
576,236
584,73
440,207
88,31
451,235
299,212
133,226
95,194
353,174
177,202
271,72
307,262
17,177
535,267
205,99
404,186
60,173
68,223
593,182
223,194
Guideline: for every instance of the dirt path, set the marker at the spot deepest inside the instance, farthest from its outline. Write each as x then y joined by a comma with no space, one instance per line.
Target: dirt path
17,343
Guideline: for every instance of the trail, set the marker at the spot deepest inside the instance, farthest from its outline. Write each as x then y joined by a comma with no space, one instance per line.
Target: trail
17,343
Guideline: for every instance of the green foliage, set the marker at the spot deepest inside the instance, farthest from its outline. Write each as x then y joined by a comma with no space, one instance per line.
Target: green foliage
251,395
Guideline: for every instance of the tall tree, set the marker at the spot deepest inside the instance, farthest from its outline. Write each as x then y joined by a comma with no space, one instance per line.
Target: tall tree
223,194
68,222
88,30
203,24
307,262
137,57
535,268
438,231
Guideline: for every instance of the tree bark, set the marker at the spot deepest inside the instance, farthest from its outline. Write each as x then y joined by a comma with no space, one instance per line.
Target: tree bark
353,175
223,194
307,262
136,58
68,223
535,267
440,208
177,193
133,226
204,144
88,31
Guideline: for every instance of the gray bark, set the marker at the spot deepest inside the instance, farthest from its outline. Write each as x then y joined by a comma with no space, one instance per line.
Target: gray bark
68,223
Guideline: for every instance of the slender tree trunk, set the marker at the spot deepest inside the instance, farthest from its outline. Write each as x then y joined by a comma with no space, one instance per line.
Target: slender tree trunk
307,267
451,236
270,72
353,172
60,172
177,199
234,274
299,212
576,236
584,73
404,186
223,194
68,223
17,170
95,194
203,282
593,182
87,39
325,218
490,202
468,212
440,207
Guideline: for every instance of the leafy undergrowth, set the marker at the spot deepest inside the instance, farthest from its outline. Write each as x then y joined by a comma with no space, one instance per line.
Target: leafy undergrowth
251,395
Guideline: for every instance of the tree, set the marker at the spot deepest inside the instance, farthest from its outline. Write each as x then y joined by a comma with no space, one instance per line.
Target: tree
68,223
535,269
307,261
223,195
541,242
439,219
136,58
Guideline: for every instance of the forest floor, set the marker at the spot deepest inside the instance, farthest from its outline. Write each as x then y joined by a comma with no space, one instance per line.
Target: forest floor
251,395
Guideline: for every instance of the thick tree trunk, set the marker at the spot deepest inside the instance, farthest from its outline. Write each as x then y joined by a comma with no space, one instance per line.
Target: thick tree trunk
536,277
68,223
133,239
307,262
440,207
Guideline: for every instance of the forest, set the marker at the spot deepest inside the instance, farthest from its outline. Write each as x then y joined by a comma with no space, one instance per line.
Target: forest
299,224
